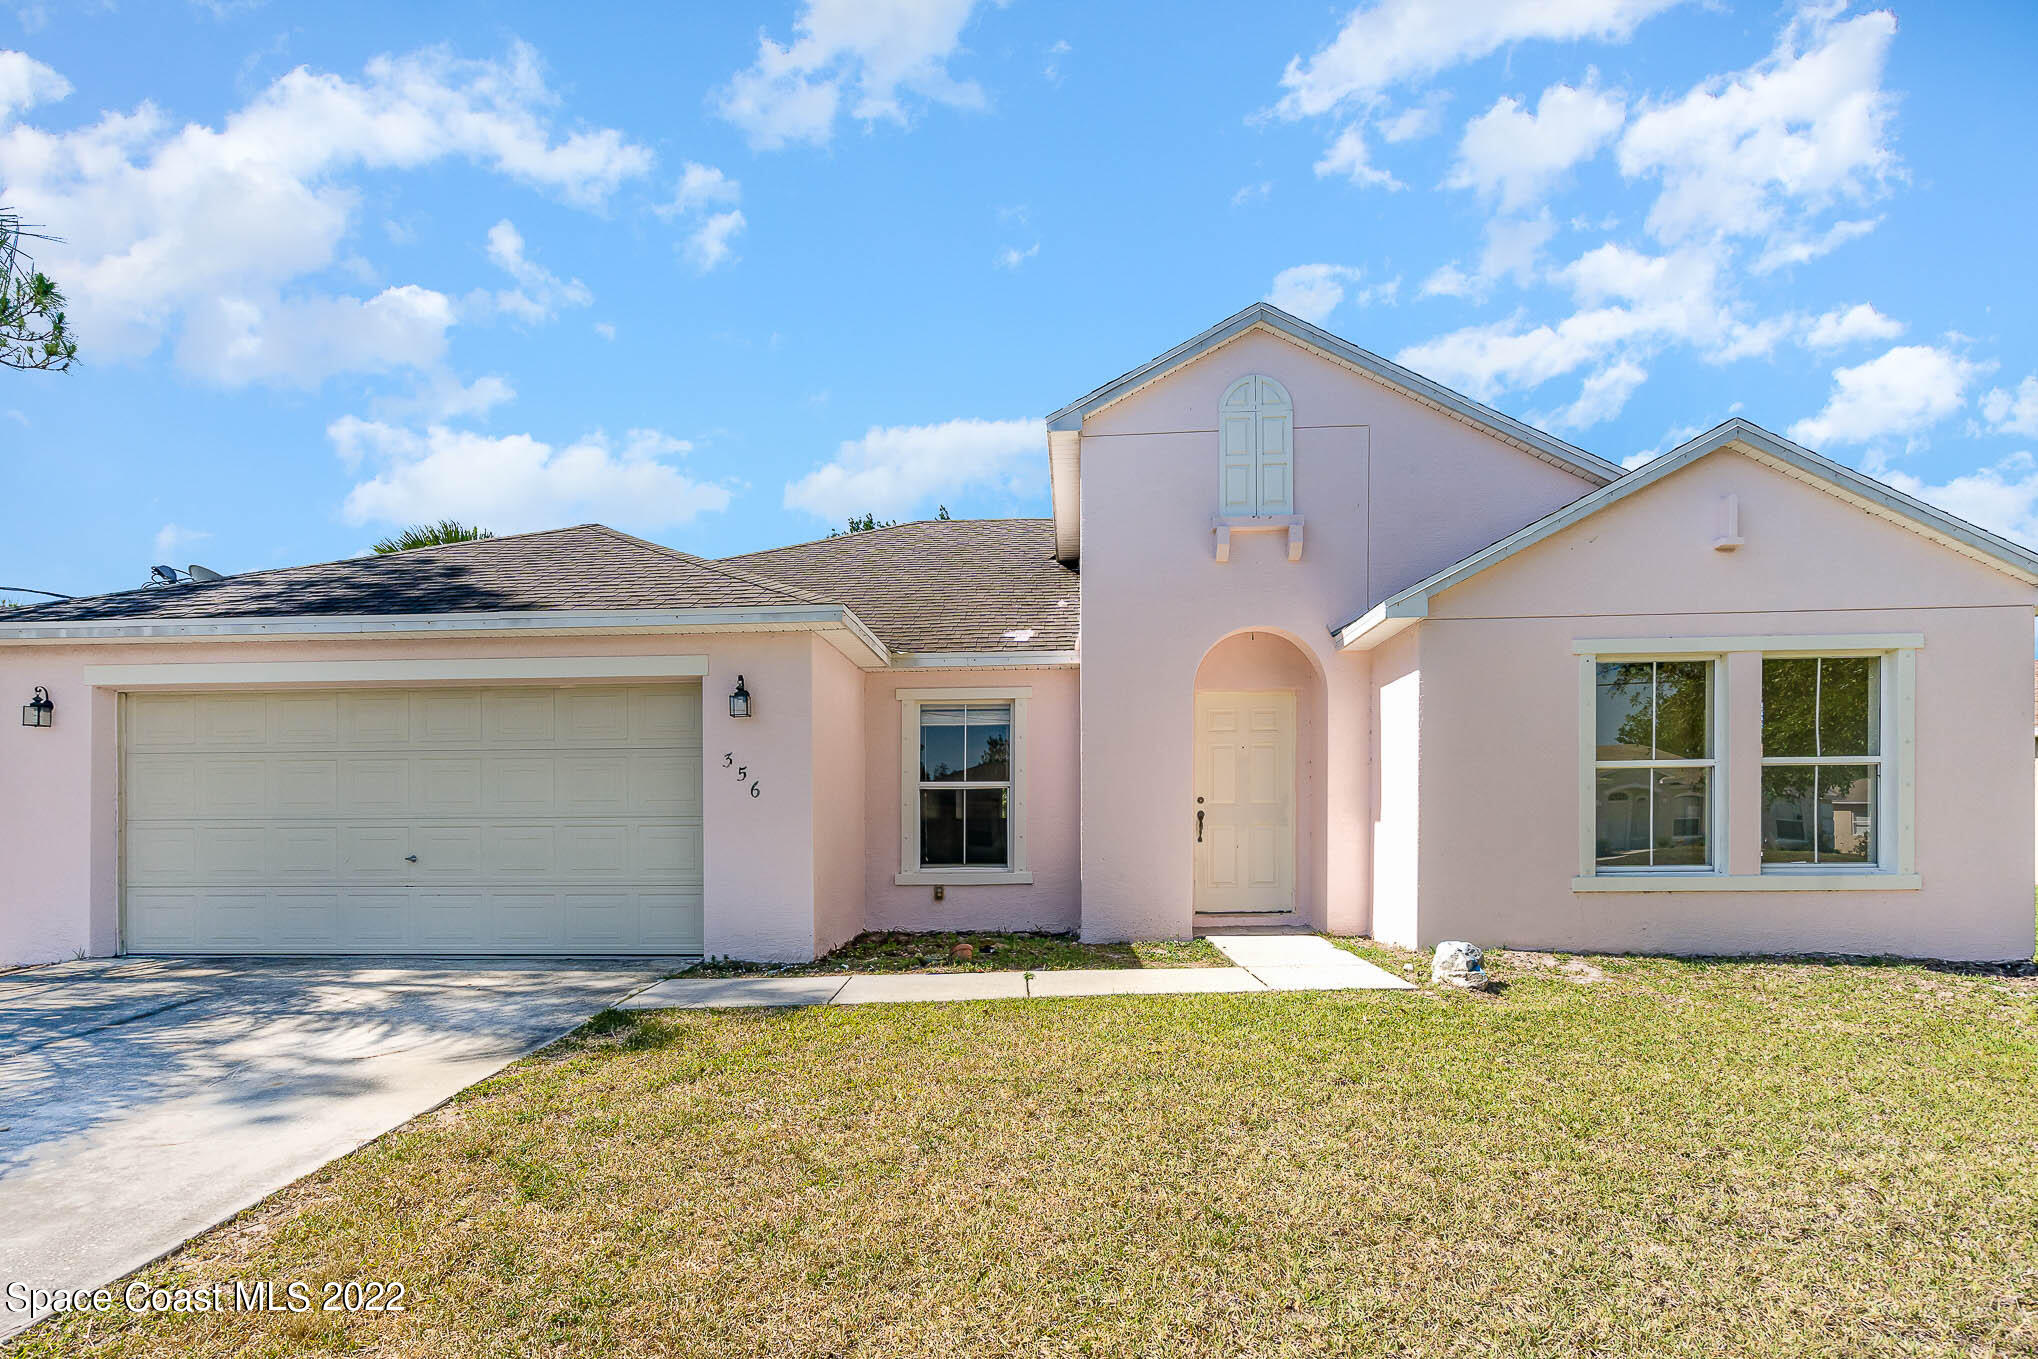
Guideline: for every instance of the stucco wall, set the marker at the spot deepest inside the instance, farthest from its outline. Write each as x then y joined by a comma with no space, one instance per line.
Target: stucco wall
1053,901
1389,490
58,787
1395,689
1500,739
839,803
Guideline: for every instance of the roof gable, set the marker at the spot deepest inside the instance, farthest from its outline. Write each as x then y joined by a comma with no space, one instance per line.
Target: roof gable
1064,426
1411,605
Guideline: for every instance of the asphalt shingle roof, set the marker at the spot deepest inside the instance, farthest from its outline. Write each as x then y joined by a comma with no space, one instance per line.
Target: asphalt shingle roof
585,567
942,584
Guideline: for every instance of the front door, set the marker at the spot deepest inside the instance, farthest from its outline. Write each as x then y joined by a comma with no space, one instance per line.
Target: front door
1245,802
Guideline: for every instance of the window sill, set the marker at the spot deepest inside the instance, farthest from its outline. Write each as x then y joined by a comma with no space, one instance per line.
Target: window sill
965,877
1223,526
1749,882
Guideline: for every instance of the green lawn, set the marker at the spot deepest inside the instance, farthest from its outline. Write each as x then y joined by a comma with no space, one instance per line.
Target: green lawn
1616,1157
987,951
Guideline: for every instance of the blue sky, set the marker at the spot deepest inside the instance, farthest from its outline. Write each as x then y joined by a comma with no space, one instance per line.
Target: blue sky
722,275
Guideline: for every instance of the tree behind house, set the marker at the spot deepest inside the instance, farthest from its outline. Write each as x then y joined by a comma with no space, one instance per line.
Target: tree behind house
431,535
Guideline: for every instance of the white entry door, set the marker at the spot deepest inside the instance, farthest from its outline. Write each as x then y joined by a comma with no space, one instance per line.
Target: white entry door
1245,802
511,820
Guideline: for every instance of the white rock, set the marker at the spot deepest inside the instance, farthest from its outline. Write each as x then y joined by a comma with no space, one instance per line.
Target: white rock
1458,963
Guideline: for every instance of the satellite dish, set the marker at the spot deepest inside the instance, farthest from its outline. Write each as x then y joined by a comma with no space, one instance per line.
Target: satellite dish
166,575
197,572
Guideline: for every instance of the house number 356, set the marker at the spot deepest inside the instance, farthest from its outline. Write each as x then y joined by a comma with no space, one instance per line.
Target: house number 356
742,772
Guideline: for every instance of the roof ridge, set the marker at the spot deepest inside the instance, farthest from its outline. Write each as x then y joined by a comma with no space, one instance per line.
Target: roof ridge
733,572
888,528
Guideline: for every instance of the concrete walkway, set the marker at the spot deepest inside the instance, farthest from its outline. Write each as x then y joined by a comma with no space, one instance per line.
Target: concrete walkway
1263,962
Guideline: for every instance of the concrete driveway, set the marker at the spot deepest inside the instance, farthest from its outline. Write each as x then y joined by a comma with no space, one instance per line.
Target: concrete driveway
143,1100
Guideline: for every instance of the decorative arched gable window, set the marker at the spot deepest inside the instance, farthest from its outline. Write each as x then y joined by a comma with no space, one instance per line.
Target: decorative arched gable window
1255,449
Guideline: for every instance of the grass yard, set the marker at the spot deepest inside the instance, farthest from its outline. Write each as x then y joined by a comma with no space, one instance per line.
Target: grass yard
988,951
1612,1157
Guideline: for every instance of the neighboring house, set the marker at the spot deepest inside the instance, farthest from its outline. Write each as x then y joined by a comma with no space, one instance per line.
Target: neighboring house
1348,648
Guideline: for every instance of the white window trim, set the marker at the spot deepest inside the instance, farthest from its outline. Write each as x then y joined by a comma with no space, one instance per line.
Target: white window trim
1896,868
911,874
1257,511
1716,799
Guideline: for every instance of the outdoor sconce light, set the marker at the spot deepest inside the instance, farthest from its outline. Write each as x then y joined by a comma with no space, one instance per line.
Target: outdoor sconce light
36,712
739,702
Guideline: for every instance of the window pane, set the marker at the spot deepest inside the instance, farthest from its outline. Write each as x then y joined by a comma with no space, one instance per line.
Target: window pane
1683,710
940,827
1846,814
1849,700
1683,820
941,744
987,826
990,743
1623,823
1789,695
1623,708
1789,814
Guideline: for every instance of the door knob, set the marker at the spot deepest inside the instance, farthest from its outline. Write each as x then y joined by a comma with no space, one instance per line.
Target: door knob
410,858
1199,825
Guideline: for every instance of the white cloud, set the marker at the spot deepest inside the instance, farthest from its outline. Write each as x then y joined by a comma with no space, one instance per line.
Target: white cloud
1851,325
172,540
1314,291
1745,153
540,293
441,396
211,230
2002,498
1348,156
605,329
1787,247
1516,157
701,190
1249,193
1392,42
1898,394
865,52
897,469
1603,396
300,341
1416,121
26,82
2012,412
515,482
708,246
1011,257
1448,280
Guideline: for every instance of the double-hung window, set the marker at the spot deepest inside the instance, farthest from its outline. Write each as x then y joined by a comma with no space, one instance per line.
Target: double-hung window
1821,760
962,781
1653,765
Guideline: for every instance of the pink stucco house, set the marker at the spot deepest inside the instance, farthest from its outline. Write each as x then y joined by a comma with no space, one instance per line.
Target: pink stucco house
1307,637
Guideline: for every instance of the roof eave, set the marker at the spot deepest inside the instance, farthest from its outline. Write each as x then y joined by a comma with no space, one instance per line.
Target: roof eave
837,622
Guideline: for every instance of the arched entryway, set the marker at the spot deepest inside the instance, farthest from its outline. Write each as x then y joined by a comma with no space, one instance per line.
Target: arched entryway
1257,782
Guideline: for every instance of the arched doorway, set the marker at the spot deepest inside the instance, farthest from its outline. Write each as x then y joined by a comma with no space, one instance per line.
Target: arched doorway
1258,715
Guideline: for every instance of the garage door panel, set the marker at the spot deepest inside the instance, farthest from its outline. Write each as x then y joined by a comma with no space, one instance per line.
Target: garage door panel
450,717
373,718
520,785
158,721
520,717
542,820
233,720
304,720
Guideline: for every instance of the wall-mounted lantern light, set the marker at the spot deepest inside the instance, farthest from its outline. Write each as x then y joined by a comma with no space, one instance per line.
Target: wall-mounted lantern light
36,712
739,702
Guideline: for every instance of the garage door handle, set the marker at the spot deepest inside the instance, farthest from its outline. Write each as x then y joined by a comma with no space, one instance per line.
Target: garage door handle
410,858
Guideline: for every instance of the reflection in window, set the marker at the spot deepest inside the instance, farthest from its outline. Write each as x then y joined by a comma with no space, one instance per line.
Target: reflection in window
1653,764
1821,759
965,785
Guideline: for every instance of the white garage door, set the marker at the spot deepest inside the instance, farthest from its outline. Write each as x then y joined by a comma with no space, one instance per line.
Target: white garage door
519,820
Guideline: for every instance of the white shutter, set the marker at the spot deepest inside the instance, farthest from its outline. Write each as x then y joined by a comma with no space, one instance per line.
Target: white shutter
1237,463
1276,464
